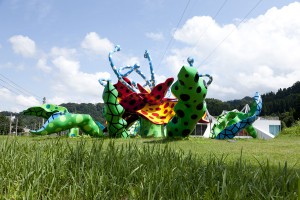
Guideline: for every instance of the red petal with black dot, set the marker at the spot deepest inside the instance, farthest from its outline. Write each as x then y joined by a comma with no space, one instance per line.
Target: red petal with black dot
123,91
141,89
160,90
132,102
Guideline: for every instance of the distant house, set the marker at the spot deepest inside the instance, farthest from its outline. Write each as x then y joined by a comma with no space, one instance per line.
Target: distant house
26,130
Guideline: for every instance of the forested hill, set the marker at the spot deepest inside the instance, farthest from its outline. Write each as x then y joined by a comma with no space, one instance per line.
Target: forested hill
285,104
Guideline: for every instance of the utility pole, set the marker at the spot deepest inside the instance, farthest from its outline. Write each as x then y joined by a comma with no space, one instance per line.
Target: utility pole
10,124
16,126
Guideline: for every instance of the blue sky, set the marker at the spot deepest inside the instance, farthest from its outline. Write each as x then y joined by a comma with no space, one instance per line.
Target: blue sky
58,49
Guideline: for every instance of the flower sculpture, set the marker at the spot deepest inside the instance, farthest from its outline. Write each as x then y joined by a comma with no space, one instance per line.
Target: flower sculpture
140,103
133,107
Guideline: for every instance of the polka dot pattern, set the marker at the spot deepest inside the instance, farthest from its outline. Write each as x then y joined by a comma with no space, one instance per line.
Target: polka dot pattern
158,114
190,91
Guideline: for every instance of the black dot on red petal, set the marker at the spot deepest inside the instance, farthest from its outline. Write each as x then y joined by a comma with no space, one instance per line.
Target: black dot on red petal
132,102
159,87
157,97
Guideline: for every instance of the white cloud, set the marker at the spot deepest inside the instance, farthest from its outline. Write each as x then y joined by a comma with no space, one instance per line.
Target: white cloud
70,84
68,53
261,54
130,61
15,103
155,36
4,93
26,101
94,43
42,65
23,45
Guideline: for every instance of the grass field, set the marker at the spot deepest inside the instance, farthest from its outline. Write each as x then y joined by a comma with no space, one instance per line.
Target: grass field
196,168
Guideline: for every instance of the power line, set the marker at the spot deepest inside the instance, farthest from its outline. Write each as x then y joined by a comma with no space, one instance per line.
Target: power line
253,8
214,17
17,87
10,89
171,40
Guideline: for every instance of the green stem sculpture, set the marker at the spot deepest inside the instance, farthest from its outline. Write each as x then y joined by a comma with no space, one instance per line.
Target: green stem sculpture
191,91
113,112
59,119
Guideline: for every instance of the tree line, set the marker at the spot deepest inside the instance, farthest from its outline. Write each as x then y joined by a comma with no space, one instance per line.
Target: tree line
285,103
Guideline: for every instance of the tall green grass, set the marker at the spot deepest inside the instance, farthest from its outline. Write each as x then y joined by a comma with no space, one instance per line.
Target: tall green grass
58,169
291,131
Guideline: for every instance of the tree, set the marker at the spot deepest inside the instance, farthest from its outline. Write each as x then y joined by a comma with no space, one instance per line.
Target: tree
4,125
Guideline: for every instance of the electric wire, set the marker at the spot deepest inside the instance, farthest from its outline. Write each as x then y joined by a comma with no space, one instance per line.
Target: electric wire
172,37
227,36
9,89
214,18
12,88
16,87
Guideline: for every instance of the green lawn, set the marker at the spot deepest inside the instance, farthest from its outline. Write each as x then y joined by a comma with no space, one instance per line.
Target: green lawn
194,168
276,150
279,150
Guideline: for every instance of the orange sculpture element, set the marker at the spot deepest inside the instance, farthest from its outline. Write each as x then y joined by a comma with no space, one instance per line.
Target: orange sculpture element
159,114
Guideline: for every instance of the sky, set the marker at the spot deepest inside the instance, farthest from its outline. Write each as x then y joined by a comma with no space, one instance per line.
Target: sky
59,49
